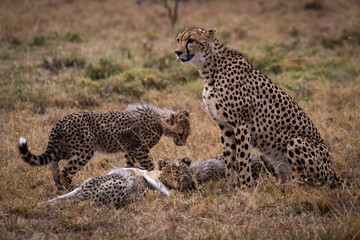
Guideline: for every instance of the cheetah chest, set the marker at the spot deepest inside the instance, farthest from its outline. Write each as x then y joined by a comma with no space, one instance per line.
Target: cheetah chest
210,103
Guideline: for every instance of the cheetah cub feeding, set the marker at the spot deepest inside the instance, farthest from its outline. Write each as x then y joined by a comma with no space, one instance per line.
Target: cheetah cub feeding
134,131
116,189
253,112
124,185
183,175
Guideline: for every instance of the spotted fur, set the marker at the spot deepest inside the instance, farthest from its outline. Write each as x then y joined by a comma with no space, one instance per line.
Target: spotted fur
116,189
123,185
182,175
134,131
253,112
175,173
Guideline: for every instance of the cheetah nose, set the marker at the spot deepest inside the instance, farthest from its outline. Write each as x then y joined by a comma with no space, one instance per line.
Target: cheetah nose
178,52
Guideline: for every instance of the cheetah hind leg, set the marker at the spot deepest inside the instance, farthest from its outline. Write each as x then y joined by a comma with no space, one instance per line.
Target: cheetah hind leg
310,161
55,171
75,164
65,179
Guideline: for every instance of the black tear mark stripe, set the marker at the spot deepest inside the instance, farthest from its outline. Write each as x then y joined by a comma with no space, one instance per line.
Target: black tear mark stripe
187,49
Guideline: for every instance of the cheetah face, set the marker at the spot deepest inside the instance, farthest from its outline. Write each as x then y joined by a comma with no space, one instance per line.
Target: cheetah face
193,45
175,174
177,127
160,164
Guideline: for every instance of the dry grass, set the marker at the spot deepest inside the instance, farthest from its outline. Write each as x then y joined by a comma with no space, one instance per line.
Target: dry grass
312,52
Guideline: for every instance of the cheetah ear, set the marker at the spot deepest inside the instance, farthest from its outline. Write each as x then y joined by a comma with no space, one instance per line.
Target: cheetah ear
186,160
171,119
161,163
182,180
184,113
212,33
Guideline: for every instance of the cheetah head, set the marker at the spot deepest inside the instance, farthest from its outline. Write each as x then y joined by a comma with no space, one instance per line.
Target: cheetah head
175,174
160,164
177,127
193,45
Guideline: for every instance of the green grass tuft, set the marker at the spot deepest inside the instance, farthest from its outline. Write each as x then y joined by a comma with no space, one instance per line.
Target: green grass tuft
73,37
104,69
39,41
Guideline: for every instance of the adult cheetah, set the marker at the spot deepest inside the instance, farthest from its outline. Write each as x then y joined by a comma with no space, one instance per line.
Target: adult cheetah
252,111
134,131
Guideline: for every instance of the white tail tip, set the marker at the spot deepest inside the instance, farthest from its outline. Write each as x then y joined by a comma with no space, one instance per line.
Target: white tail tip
22,141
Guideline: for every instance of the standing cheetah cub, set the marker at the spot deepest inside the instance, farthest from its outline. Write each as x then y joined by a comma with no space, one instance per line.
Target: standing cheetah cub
253,112
134,131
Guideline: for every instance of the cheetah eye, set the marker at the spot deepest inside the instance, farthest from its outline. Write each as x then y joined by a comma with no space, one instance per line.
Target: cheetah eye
177,40
191,40
181,135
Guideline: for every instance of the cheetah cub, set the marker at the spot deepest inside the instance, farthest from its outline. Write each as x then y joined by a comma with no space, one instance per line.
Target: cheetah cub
134,131
122,185
253,112
183,175
116,189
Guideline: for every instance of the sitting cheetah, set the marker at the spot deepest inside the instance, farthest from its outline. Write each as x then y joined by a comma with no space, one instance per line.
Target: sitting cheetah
252,111
134,131
116,189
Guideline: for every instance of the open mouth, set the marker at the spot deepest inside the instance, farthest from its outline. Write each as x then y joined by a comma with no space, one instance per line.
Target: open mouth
186,60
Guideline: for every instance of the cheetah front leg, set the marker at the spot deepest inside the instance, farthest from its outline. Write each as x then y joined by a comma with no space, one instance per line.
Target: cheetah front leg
229,153
55,171
141,155
243,138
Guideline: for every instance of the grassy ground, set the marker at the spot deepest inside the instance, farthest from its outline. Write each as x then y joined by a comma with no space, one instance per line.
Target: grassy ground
59,57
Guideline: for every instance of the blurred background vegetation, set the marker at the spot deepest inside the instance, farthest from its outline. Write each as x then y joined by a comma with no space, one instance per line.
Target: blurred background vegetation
80,53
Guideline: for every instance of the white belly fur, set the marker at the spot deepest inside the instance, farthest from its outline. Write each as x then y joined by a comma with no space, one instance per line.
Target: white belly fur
209,104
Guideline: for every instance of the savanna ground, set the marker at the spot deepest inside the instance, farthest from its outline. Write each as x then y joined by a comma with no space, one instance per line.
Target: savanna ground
59,57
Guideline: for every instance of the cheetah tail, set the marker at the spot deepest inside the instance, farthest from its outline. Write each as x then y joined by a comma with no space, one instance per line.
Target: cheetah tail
51,153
